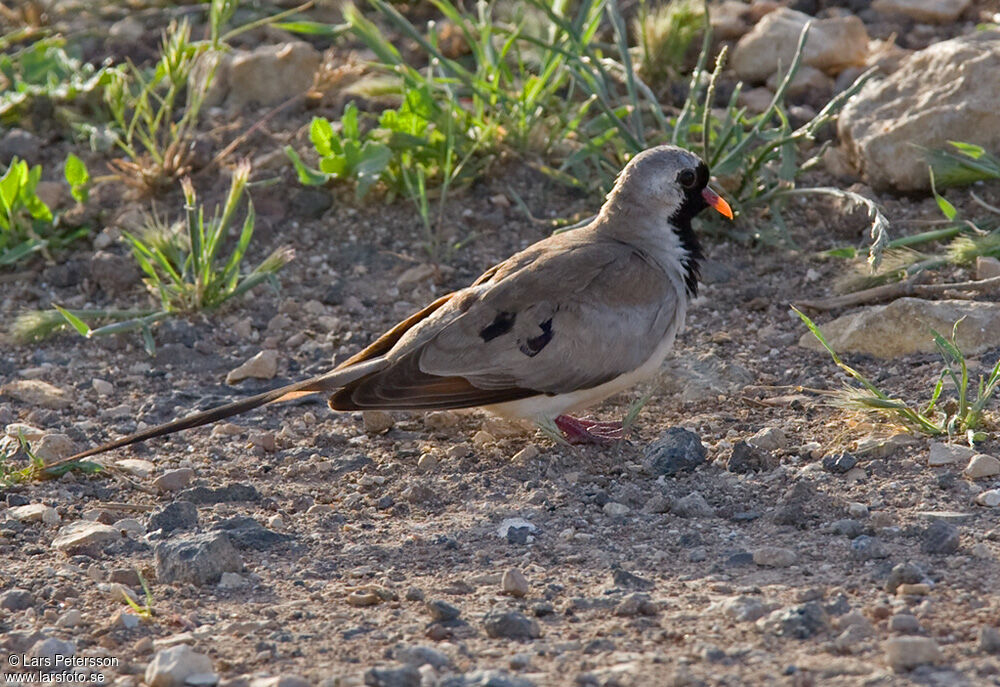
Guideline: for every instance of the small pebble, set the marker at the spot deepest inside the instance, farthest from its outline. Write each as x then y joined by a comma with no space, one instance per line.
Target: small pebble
989,498
905,624
982,465
442,611
906,653
989,639
774,557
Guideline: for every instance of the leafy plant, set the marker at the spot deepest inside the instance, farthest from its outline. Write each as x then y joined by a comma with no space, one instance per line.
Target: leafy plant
78,177
183,268
145,611
44,69
963,417
14,471
967,164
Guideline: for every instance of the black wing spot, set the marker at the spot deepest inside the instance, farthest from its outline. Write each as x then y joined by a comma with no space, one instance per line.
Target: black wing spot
502,323
535,344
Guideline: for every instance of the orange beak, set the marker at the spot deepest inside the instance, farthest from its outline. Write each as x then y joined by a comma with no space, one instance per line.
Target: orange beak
716,201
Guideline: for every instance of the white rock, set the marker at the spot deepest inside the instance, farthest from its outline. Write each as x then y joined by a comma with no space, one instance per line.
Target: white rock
902,327
982,465
923,11
230,580
35,512
264,365
989,498
173,480
102,387
53,446
70,618
946,90
130,527
16,429
267,75
807,81
947,454
729,20
693,505
833,44
774,557
906,653
858,511
171,667
84,535
514,523
376,421
514,583
769,439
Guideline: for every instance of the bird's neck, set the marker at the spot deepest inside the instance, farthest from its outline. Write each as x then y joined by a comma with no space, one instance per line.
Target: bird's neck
670,241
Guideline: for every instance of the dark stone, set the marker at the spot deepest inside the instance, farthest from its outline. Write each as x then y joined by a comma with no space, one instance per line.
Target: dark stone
16,599
839,463
623,578
491,678
115,274
179,515
442,611
677,450
746,458
940,537
65,274
333,294
311,203
14,500
739,559
903,573
847,527
511,625
403,676
864,548
247,533
518,535
197,559
837,606
227,494
791,507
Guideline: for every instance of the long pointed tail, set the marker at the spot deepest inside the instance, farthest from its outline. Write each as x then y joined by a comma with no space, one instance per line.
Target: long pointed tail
330,381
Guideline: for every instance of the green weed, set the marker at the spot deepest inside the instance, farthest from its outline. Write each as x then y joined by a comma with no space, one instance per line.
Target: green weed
27,224
20,465
962,418
183,270
666,34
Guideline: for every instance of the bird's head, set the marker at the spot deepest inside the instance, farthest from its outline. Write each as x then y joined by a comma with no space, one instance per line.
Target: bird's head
667,181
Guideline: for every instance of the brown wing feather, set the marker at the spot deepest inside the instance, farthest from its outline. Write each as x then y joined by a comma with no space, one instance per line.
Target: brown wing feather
403,386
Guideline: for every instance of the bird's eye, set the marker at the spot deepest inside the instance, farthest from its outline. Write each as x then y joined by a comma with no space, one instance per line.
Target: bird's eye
687,178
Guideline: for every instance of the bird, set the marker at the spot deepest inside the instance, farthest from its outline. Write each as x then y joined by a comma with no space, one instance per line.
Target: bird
556,328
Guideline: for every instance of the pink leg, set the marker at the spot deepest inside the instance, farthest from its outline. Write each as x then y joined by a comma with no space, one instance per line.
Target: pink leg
582,431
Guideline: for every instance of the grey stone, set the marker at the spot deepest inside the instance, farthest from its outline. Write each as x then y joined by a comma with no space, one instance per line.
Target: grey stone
801,622
115,274
865,548
418,655
625,579
947,88
746,458
179,515
247,533
22,144
16,599
693,505
52,647
743,608
494,678
173,480
940,537
904,623
769,439
774,557
847,527
227,494
279,681
636,603
903,327
511,625
442,611
198,559
989,640
677,450
402,676
311,203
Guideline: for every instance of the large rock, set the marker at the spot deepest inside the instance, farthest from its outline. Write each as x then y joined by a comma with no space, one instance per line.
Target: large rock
903,328
35,392
923,11
946,92
833,45
198,559
266,76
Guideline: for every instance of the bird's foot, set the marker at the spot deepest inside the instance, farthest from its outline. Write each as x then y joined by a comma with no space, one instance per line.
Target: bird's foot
584,431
